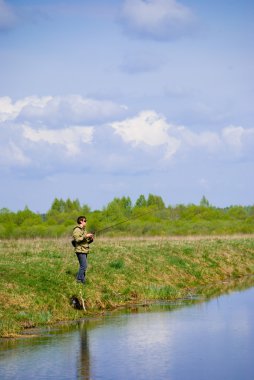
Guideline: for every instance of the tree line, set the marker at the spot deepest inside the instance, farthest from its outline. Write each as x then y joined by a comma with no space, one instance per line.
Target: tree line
148,216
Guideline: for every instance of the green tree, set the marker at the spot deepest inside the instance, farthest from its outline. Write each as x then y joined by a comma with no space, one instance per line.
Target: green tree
26,216
155,200
70,206
4,211
141,201
58,205
6,215
204,202
85,209
237,212
119,207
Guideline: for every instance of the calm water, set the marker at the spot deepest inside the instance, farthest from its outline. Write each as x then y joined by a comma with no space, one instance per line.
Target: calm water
209,340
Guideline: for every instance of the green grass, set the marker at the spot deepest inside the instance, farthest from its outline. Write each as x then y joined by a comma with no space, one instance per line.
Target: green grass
37,277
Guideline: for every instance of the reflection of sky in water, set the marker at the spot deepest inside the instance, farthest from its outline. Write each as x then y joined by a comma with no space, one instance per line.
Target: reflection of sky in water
212,340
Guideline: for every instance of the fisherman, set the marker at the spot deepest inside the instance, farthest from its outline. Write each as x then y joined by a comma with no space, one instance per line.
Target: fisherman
81,241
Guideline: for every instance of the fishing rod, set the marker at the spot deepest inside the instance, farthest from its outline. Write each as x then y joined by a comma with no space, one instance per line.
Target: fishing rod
125,221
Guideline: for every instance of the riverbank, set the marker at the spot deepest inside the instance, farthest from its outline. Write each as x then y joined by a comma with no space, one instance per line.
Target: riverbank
37,277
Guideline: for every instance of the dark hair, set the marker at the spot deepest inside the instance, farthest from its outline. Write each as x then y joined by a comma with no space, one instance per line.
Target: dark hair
80,218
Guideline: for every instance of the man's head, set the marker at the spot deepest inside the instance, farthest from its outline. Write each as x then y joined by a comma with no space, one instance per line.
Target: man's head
81,220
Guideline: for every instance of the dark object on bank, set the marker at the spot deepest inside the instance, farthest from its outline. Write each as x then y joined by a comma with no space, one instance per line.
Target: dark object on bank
75,302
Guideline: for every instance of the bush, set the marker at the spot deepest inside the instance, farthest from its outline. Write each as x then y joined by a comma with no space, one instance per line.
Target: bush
149,217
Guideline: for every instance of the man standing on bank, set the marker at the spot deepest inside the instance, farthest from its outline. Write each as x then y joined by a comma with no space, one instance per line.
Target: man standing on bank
81,240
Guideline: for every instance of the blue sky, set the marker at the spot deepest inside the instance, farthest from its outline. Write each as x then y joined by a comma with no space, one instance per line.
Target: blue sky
102,99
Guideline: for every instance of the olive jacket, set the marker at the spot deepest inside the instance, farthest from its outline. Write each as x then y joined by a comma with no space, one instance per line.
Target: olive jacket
81,239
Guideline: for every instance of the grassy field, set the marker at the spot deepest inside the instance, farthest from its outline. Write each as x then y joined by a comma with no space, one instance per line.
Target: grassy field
37,277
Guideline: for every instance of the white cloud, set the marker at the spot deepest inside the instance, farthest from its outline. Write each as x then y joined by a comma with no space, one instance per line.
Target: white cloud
12,155
29,139
36,130
208,140
147,128
7,16
59,110
11,110
239,141
69,138
151,129
157,19
234,136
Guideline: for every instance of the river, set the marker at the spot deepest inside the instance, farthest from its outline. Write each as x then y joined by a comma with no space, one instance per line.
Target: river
208,340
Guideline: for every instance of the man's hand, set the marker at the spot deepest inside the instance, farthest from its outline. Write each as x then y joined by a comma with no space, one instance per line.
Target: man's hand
89,238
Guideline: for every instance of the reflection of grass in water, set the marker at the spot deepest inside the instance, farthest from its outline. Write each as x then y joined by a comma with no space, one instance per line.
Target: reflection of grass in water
38,288
217,289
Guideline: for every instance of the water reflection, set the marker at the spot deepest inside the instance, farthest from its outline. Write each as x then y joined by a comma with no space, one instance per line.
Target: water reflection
208,340
83,359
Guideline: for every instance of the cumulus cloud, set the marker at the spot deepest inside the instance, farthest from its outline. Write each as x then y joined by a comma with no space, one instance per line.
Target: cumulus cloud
57,126
11,155
29,140
70,138
238,137
147,128
59,110
151,129
157,19
208,140
10,110
238,142
27,148
8,17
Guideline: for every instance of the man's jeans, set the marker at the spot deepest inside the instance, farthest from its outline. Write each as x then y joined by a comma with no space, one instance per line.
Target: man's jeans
82,258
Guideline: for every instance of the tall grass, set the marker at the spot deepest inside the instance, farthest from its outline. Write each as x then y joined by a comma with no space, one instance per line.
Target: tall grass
37,277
